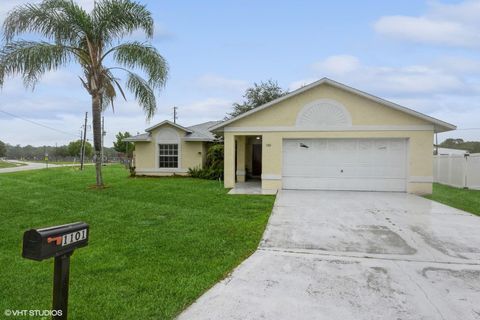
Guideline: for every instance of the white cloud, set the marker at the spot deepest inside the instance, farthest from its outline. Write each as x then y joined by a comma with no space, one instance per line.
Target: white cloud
412,79
443,24
446,88
205,110
338,64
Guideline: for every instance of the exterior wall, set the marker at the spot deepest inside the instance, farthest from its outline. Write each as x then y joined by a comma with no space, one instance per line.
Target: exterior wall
420,158
144,155
363,111
368,120
192,154
240,171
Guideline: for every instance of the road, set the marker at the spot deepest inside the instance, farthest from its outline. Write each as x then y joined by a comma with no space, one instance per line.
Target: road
31,166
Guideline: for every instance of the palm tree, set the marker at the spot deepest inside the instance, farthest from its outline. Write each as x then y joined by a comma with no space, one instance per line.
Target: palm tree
92,39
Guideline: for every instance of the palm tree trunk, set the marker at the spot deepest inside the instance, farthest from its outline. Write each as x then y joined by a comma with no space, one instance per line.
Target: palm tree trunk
97,136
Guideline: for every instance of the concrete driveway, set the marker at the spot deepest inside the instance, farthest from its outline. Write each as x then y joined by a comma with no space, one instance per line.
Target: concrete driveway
355,255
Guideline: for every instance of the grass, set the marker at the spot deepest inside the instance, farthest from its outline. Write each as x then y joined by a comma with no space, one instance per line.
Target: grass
464,199
6,164
156,244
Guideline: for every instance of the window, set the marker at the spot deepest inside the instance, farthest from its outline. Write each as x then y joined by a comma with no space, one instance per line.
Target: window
168,155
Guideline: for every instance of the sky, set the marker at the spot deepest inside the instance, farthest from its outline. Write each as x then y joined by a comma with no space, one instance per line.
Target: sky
424,55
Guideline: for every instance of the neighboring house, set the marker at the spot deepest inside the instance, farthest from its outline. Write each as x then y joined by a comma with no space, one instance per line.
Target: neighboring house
168,148
329,136
448,151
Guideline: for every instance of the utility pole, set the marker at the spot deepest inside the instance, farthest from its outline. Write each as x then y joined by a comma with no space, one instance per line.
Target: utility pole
82,155
103,138
45,155
175,116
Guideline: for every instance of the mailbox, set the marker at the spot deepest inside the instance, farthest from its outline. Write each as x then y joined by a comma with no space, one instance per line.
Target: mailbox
40,244
58,242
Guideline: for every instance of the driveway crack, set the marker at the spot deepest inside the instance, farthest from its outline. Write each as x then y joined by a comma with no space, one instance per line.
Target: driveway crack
421,289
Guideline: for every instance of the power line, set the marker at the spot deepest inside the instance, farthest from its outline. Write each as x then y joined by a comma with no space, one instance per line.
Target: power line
36,123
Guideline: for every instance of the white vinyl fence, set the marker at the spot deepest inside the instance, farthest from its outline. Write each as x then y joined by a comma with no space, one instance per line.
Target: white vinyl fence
457,170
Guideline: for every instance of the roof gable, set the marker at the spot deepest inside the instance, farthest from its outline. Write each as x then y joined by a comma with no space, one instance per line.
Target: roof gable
198,132
439,125
167,122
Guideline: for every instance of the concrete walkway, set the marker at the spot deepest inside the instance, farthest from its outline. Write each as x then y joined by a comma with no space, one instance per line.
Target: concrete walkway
355,255
251,187
31,166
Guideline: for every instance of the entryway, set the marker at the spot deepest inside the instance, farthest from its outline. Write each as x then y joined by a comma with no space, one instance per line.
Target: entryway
248,158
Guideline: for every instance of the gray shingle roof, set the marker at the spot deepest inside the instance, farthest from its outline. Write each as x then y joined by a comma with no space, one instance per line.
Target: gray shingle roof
199,132
139,137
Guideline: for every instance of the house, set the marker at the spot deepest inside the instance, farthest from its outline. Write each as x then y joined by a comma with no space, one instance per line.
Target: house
329,136
325,135
448,151
168,148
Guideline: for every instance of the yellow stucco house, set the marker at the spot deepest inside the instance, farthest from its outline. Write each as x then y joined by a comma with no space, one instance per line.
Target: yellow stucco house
325,136
168,148
329,136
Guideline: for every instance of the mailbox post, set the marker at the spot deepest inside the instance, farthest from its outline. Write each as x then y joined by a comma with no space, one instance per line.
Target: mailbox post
58,242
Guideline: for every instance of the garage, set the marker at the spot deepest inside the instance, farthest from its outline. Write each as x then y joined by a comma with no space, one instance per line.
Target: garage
330,136
345,164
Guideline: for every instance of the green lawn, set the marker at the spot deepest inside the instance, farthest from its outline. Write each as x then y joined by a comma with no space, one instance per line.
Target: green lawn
156,244
6,164
467,200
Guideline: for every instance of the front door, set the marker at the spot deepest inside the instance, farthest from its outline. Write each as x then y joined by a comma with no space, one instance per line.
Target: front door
256,160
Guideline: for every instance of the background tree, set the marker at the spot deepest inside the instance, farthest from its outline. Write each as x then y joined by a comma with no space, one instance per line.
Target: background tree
471,146
74,148
60,152
3,149
93,40
256,96
122,146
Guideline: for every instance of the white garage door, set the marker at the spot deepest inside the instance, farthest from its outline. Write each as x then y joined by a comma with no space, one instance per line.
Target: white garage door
345,164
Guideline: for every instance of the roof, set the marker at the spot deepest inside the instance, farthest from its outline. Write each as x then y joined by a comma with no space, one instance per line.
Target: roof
198,132
201,132
456,149
440,126
450,151
170,123
138,137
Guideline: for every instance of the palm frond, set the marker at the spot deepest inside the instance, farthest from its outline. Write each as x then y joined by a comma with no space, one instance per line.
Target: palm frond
31,60
115,19
145,57
143,94
58,20
108,96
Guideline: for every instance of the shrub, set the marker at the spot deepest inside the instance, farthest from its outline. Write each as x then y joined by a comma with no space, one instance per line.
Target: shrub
213,167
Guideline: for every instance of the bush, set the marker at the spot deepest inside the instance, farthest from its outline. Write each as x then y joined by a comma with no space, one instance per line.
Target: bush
213,167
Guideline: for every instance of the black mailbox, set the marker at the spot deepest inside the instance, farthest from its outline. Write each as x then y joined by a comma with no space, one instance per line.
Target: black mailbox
40,244
58,242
